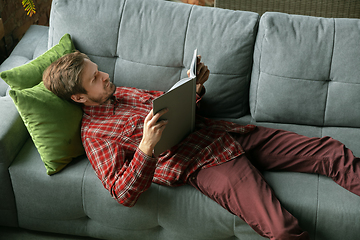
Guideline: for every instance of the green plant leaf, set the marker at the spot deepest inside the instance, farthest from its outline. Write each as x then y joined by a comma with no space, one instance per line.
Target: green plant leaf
29,7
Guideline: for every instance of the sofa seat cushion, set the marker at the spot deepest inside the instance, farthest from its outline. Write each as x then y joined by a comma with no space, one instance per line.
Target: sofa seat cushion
75,202
42,196
306,71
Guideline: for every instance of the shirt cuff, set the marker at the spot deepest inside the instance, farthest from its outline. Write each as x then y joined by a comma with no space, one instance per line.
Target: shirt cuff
147,162
201,94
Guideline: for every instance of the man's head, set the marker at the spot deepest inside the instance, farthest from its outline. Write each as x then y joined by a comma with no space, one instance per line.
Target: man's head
74,77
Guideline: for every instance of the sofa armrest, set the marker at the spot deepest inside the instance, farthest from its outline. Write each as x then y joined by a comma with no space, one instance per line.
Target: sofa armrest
13,135
32,45
13,132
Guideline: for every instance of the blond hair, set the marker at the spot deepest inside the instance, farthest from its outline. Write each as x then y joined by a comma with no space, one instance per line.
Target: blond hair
63,78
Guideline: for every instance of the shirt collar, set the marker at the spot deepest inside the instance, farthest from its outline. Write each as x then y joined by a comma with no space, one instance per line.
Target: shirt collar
102,110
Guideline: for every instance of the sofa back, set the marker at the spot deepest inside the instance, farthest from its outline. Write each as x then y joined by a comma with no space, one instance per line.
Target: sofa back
306,71
149,44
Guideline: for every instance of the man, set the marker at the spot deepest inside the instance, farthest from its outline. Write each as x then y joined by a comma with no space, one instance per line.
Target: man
120,130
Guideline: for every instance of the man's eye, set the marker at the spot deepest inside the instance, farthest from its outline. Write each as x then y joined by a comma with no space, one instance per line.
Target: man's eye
94,79
95,75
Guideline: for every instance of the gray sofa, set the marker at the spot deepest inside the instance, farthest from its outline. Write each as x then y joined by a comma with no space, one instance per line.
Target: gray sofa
283,71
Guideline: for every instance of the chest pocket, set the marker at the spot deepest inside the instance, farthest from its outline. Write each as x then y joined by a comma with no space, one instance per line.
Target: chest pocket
132,134
131,125
133,128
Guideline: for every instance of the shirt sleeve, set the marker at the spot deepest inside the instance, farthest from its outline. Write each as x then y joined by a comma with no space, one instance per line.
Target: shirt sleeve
125,178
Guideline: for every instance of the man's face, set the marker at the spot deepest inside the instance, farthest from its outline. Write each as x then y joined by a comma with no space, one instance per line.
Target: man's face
97,84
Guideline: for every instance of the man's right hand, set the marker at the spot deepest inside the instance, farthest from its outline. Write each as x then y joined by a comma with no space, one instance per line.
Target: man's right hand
152,131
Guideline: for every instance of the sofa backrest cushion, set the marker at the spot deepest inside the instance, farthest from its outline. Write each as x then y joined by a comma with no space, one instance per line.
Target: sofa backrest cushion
306,71
149,45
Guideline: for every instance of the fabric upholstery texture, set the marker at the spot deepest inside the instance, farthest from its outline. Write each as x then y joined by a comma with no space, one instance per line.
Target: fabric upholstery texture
143,37
306,78
148,44
13,133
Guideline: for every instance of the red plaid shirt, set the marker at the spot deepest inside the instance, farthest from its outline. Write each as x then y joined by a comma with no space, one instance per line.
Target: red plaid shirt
111,135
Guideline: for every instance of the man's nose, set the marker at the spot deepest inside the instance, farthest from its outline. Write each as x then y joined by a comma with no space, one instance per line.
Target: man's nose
104,76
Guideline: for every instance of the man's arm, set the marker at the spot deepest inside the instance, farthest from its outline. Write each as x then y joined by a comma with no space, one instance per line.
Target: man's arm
125,179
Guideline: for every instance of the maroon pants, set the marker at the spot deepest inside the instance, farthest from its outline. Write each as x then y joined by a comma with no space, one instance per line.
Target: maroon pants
239,187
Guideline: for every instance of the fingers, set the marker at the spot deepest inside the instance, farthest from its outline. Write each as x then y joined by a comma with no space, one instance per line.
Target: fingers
161,125
152,121
157,116
203,73
149,116
152,131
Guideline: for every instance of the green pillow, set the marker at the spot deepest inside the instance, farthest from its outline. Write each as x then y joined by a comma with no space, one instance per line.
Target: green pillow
30,74
53,124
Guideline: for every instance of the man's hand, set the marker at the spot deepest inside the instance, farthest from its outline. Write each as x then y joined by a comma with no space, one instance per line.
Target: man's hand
202,74
153,129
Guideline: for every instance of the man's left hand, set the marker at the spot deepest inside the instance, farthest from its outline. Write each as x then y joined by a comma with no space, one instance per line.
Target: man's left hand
202,74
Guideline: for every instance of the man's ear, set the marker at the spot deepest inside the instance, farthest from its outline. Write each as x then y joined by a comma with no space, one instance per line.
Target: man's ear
79,98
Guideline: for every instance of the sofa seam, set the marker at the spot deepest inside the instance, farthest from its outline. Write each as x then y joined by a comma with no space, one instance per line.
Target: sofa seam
136,62
51,27
120,21
258,80
234,224
328,82
186,36
317,207
147,64
37,45
306,79
83,190
229,74
118,38
157,205
294,78
333,47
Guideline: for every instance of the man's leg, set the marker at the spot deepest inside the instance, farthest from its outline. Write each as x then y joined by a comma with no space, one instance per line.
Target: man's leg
271,149
241,189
